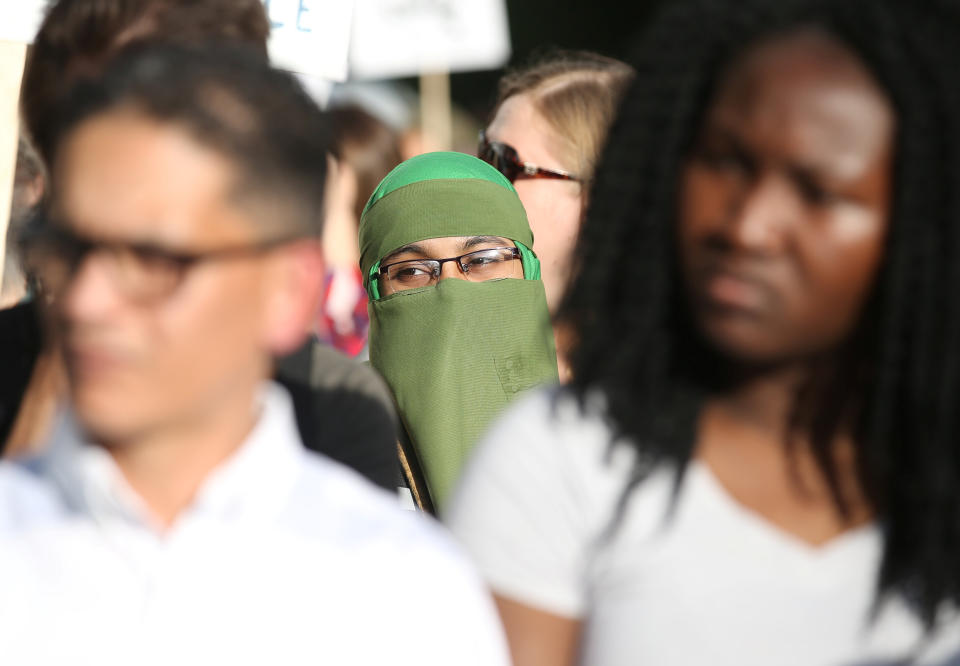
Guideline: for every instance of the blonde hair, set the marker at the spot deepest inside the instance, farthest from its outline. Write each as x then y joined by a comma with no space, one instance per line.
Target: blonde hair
577,93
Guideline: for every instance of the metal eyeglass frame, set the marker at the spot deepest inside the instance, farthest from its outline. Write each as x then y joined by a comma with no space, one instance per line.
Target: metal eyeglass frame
528,260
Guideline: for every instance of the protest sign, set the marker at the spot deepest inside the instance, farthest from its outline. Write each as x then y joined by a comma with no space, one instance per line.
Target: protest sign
307,36
19,20
409,37
429,39
311,36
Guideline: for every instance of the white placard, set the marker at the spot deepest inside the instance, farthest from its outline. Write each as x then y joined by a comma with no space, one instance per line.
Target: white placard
19,19
408,37
307,36
311,36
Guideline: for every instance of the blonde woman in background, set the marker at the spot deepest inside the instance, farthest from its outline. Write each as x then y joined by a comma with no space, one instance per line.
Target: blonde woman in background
546,134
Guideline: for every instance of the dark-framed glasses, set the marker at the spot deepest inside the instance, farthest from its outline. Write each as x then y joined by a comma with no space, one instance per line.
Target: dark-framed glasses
478,266
142,272
505,159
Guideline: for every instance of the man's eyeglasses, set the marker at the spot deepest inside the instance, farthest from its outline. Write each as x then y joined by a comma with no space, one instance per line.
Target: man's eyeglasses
477,266
142,272
505,159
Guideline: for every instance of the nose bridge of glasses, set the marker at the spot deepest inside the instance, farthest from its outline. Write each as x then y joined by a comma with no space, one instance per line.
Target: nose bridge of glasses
74,252
459,266
106,256
88,275
66,258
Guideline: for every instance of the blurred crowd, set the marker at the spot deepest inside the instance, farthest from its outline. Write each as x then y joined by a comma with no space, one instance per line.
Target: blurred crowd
662,370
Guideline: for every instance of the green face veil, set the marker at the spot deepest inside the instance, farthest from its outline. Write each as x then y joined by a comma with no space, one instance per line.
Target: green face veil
455,353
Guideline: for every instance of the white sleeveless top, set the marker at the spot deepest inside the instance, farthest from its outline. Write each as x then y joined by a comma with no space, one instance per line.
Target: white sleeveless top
711,583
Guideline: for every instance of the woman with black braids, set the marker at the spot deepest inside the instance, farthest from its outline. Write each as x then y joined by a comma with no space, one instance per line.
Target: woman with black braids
758,461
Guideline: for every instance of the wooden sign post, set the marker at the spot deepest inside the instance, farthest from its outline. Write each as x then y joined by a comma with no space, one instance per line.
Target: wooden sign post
311,37
436,111
12,57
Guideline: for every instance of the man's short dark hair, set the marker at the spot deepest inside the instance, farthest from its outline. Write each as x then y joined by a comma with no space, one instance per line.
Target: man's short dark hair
77,37
231,101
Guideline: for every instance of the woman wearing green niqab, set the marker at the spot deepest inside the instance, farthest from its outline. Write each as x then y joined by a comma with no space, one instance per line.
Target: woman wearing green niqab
453,351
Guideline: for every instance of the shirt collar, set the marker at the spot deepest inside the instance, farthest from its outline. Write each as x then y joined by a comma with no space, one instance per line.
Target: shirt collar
254,483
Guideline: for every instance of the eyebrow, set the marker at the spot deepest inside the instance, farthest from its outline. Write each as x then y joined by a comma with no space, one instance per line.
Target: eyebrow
417,248
480,240
413,248
63,224
808,172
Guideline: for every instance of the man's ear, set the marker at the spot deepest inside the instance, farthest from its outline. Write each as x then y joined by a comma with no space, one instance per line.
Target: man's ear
296,278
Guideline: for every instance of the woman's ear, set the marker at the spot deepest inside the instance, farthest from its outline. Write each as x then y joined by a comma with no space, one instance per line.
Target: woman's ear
296,285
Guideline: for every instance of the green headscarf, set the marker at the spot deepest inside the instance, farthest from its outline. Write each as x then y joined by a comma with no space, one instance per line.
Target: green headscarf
455,353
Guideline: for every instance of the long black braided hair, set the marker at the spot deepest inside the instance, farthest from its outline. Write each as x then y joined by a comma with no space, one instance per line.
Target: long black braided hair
634,340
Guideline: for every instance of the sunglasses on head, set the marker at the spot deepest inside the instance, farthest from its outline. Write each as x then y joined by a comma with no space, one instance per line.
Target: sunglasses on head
504,158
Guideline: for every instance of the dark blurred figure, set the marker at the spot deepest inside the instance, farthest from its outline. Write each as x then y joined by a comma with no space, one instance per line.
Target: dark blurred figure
366,149
174,516
545,135
28,186
758,460
25,371
353,423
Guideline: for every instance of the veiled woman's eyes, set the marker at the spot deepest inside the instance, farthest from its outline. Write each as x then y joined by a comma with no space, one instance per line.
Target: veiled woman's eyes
483,260
416,274
413,270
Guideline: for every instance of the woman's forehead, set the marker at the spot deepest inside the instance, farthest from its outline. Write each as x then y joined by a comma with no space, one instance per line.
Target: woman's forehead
810,98
803,55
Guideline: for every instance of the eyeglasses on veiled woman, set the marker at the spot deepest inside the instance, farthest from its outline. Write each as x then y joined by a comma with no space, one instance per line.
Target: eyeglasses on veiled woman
477,266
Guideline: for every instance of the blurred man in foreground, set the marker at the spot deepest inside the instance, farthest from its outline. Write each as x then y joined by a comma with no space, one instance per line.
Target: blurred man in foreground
77,39
175,517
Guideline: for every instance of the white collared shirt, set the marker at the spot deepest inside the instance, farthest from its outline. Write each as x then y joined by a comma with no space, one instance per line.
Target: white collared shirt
283,558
